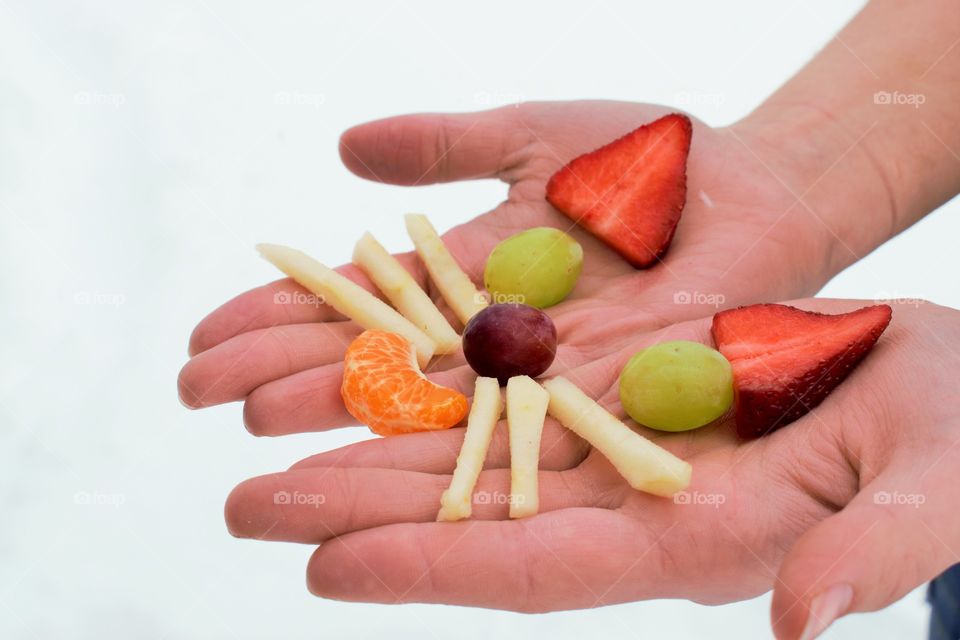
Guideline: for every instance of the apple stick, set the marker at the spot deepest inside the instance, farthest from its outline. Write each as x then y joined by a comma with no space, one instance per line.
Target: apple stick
455,503
347,297
645,466
402,290
456,286
526,410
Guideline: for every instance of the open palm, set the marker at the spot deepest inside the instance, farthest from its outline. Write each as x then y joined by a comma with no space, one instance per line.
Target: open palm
742,238
796,510
792,510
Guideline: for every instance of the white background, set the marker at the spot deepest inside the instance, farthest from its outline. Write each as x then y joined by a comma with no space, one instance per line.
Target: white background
145,148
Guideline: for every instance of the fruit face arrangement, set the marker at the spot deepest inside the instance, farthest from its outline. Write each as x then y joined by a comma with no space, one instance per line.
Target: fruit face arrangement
507,343
774,363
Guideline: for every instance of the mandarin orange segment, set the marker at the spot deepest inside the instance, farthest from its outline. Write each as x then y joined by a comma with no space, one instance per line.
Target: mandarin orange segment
384,388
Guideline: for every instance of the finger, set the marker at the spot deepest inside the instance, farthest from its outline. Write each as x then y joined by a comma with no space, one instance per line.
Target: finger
893,537
428,148
310,400
232,369
280,302
572,558
314,505
436,451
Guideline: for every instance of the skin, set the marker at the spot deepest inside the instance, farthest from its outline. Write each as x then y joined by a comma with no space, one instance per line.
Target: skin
777,204
276,356
793,509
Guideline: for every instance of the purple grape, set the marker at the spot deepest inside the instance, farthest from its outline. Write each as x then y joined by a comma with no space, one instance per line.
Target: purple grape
506,340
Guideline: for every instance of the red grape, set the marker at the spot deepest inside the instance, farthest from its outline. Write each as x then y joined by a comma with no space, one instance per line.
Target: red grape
506,340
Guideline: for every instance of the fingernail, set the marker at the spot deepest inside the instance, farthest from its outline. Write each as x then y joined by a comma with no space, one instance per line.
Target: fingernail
825,608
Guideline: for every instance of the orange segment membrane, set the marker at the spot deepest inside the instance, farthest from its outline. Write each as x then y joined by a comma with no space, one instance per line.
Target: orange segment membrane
384,388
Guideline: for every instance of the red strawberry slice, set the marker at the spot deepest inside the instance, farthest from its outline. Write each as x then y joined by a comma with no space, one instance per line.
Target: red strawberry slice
786,360
630,192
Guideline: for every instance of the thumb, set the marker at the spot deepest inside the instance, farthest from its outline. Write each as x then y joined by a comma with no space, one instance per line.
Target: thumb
886,542
428,148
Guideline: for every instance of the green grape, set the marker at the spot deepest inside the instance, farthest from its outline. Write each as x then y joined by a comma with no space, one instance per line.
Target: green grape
676,386
538,267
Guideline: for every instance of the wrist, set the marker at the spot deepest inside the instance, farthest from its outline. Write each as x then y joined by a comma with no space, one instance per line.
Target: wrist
846,204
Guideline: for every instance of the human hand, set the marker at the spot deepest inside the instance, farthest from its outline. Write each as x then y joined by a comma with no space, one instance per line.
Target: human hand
858,492
744,235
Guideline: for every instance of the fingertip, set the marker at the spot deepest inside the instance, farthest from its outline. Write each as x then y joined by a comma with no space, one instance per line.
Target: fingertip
350,142
201,384
800,570
257,414
217,326
232,513
388,150
211,331
815,582
425,148
244,511
314,574
788,615
198,340
329,572
188,397
343,569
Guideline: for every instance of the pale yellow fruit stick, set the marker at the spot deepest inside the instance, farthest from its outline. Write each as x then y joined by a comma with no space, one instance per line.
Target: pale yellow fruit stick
644,465
347,297
454,284
402,290
455,503
526,410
